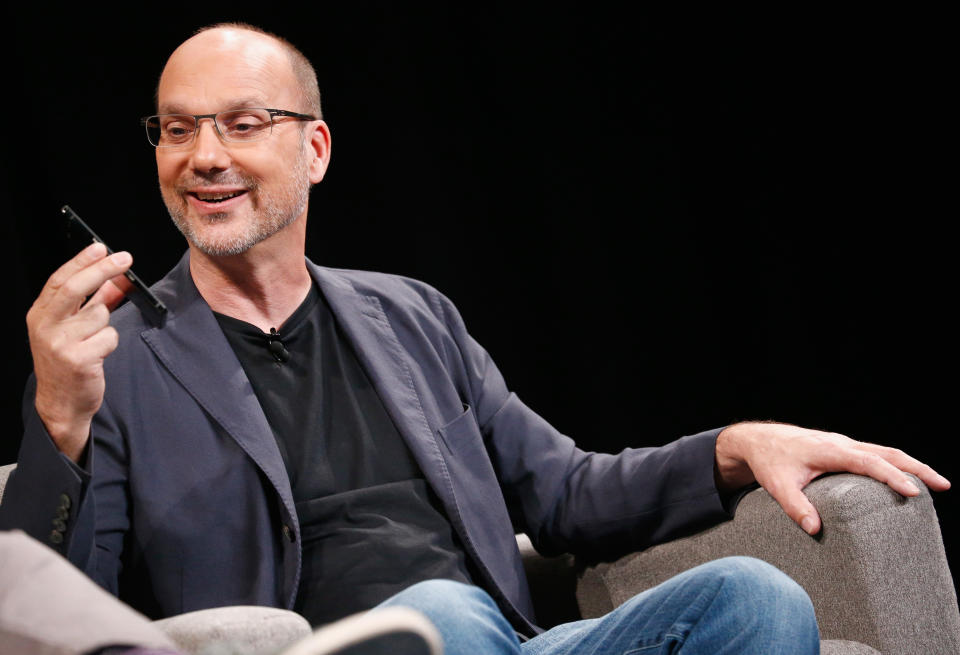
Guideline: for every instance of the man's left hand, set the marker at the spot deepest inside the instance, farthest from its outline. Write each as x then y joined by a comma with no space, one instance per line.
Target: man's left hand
785,458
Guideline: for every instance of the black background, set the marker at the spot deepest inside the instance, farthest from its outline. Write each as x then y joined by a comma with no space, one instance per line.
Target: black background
657,223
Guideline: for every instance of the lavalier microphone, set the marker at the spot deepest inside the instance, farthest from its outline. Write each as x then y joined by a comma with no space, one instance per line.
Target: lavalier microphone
276,347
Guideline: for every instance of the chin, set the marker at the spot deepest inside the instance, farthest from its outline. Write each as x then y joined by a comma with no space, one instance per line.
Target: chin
223,244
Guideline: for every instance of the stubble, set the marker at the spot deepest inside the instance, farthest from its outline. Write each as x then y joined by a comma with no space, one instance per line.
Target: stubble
276,210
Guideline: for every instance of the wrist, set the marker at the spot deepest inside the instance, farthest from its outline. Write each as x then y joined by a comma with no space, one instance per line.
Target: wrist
69,436
731,468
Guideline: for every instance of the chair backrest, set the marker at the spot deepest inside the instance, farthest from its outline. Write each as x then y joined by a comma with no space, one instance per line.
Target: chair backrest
5,472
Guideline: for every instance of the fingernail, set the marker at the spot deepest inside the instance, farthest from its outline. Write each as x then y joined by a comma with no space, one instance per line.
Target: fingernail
121,258
808,524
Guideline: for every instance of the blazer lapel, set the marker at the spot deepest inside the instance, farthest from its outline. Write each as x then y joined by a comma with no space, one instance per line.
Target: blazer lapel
383,358
193,348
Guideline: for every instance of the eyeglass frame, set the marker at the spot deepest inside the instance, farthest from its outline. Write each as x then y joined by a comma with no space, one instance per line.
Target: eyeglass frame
197,117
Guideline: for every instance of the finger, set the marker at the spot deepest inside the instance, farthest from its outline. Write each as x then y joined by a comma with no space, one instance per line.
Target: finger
92,253
103,342
905,462
112,292
92,318
70,294
797,506
866,462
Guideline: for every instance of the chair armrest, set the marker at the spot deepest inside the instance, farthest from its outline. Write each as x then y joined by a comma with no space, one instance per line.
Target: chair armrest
252,630
366,626
877,573
237,630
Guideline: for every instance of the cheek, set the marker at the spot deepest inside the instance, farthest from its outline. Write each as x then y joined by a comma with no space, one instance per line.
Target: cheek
263,166
168,167
163,172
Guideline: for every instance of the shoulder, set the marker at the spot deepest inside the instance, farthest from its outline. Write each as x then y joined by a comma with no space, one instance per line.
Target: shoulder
395,293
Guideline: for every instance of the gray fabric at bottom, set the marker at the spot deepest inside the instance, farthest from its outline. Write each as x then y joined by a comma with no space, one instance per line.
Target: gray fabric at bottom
236,630
48,607
841,647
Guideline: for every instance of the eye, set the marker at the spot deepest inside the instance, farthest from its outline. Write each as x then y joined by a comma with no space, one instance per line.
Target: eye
176,128
244,124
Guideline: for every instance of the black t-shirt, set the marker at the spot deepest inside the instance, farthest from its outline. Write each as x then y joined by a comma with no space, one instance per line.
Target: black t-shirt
371,525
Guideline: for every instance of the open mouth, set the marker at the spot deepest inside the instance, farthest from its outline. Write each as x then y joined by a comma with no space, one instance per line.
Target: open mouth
216,197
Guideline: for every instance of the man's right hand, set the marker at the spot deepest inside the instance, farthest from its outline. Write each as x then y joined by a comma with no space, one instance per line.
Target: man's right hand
69,339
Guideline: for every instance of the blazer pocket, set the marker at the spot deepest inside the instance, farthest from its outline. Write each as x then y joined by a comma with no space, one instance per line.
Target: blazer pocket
473,482
462,434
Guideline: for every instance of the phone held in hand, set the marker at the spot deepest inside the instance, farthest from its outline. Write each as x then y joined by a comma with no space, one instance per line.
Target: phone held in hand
140,295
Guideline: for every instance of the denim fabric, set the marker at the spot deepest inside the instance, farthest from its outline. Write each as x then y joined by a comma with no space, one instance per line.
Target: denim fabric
735,605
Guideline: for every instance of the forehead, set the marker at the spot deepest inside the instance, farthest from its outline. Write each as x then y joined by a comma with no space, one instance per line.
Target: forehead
221,69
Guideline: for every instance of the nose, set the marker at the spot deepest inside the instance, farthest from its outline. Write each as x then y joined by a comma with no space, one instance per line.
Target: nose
209,152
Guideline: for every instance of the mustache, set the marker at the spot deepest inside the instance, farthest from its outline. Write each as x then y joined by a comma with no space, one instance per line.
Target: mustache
231,178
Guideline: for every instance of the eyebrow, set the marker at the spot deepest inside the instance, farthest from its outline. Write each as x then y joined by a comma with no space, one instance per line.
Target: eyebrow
240,103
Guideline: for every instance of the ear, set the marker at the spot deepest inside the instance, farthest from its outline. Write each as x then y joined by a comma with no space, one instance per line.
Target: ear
318,140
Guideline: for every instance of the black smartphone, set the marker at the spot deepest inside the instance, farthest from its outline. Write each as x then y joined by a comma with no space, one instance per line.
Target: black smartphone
140,295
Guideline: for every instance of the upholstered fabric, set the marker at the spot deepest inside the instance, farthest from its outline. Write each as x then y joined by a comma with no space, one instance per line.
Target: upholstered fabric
237,630
4,474
877,573
844,647
48,607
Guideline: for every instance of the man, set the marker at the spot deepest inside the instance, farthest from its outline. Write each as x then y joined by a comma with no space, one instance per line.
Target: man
368,452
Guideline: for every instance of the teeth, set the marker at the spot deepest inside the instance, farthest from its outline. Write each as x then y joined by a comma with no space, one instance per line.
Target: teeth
217,197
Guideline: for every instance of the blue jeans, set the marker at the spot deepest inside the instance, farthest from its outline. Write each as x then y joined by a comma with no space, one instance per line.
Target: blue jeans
735,605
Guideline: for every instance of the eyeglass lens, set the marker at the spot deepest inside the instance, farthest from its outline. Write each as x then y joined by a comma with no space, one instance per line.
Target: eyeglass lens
233,125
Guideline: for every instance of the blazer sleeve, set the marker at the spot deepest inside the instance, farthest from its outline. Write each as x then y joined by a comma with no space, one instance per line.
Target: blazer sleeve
54,500
598,506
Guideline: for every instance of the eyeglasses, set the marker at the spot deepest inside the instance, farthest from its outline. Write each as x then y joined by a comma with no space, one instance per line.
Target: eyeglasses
234,125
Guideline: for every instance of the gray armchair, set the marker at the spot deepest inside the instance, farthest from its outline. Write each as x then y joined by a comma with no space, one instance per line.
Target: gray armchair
877,574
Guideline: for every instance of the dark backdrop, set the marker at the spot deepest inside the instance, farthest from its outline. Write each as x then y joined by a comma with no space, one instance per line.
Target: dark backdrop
656,223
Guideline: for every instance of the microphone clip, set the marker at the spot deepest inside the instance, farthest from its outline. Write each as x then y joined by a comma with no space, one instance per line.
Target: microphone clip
276,347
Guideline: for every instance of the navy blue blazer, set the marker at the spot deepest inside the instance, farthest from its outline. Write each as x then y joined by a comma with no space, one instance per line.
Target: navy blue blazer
183,502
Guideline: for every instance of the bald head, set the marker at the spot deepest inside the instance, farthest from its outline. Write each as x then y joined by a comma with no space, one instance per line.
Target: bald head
244,40
227,196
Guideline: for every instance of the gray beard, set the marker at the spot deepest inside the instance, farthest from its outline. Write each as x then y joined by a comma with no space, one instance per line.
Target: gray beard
275,213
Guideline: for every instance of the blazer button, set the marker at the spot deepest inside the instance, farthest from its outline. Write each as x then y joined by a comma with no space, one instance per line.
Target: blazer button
64,501
59,525
63,513
288,533
56,537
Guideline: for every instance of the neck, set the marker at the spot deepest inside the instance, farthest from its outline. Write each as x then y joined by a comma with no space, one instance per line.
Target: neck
262,286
